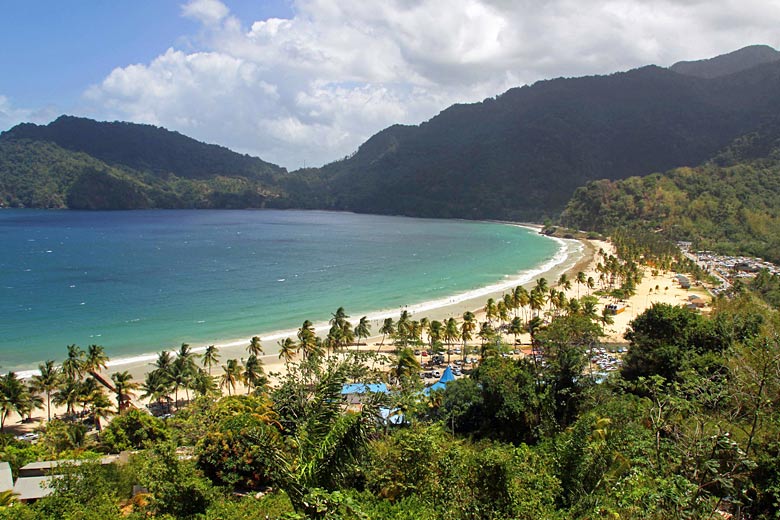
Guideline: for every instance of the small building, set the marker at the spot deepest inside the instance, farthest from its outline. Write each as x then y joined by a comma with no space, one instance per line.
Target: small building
30,489
683,280
48,467
353,393
6,477
614,308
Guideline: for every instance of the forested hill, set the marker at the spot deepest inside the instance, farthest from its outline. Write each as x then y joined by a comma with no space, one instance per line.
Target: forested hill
144,147
517,156
731,63
84,164
730,204
522,154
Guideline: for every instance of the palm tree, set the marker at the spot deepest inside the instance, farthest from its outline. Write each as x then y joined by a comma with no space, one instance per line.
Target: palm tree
124,387
73,366
536,301
231,376
156,386
255,348
591,283
466,328
307,339
406,365
435,331
581,280
490,310
30,402
100,408
486,332
362,330
96,360
210,357
338,317
402,327
46,382
253,373
542,285
68,394
564,282
388,327
287,349
516,327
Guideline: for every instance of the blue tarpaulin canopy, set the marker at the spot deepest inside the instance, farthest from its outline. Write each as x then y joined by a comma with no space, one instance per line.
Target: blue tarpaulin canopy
360,388
447,376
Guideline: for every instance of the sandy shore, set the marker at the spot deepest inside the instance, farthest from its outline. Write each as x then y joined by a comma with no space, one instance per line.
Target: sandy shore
573,257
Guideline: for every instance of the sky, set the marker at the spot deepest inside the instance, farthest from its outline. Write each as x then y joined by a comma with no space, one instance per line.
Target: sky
305,82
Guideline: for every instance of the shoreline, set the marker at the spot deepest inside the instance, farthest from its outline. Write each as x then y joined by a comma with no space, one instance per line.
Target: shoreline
568,255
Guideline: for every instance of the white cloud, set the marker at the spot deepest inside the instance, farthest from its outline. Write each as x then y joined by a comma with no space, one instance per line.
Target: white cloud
207,11
313,87
11,115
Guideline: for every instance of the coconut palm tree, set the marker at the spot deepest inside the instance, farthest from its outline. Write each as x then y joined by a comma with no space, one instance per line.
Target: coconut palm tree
388,327
124,387
253,373
406,365
156,386
30,402
210,357
100,408
564,282
68,394
96,359
486,332
491,312
402,327
435,332
46,382
307,343
516,327
466,328
287,349
362,330
255,348
231,376
581,280
73,366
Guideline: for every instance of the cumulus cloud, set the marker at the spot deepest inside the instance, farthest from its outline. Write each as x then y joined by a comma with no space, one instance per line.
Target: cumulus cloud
11,115
311,88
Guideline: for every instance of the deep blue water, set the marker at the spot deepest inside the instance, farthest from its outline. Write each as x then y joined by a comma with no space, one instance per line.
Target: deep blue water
137,282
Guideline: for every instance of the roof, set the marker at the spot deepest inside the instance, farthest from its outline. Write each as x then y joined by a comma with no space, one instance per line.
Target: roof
47,465
361,388
447,376
438,386
32,488
6,477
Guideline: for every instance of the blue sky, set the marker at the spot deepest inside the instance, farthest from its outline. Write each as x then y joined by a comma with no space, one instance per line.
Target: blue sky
53,49
307,81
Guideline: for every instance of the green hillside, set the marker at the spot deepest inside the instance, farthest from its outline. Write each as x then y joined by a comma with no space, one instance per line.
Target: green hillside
730,204
40,174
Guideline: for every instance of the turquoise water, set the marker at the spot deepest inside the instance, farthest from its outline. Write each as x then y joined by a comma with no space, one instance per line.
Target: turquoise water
141,281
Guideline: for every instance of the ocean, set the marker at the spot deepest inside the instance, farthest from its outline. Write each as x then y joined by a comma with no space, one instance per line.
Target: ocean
138,282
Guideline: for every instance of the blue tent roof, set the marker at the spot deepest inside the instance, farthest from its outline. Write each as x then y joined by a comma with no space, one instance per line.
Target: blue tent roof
438,386
360,388
447,376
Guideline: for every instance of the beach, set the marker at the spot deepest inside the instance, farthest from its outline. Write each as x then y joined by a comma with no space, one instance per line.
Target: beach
573,256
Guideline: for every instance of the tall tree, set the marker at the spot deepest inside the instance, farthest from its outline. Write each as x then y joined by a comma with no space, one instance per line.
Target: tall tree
210,357
362,330
255,348
388,328
231,375
287,350
13,395
73,366
46,382
124,387
96,359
